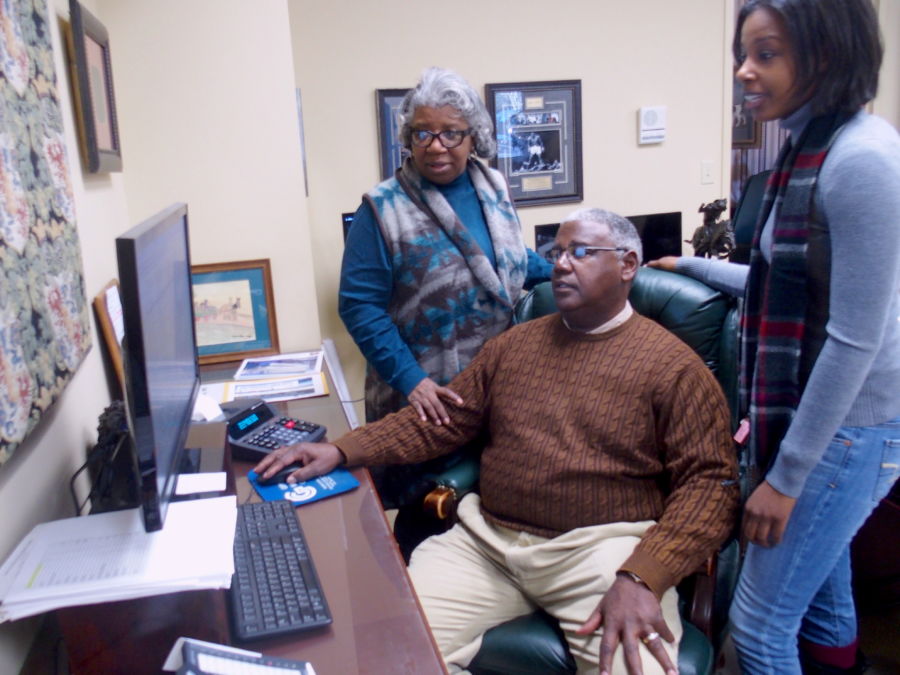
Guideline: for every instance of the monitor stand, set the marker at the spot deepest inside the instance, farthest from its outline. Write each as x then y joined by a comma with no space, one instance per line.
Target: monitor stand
202,460
205,452
190,461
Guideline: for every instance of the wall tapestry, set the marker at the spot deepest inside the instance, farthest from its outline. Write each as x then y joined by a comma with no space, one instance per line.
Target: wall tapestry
44,319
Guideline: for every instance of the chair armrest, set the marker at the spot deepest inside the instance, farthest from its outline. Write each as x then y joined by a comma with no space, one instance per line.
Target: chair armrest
451,485
701,607
713,588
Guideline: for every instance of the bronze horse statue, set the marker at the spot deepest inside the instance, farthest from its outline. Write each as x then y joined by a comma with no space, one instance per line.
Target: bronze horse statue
714,238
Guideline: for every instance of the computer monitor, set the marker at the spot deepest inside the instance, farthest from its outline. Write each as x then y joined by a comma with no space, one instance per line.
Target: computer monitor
660,234
162,375
545,238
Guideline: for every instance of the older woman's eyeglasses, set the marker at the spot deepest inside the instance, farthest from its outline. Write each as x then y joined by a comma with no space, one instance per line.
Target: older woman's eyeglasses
577,252
450,138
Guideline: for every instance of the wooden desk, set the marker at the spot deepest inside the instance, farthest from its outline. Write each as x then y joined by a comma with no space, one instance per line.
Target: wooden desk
378,623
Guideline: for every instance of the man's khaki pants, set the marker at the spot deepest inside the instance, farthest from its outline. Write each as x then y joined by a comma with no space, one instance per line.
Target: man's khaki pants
479,575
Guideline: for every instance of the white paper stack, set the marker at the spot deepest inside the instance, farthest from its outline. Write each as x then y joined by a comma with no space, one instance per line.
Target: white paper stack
109,556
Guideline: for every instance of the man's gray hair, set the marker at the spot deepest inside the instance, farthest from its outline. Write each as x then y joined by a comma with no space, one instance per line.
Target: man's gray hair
621,230
439,87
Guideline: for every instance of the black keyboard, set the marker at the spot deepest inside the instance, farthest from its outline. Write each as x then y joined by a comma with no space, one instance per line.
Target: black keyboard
275,589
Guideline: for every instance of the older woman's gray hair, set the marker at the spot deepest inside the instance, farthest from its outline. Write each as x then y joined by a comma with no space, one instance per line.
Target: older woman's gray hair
439,87
621,230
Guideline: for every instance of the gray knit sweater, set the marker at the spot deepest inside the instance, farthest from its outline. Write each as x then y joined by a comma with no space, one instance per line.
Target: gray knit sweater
856,378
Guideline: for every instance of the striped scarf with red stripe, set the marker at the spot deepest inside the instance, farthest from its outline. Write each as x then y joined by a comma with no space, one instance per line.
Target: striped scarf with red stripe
775,302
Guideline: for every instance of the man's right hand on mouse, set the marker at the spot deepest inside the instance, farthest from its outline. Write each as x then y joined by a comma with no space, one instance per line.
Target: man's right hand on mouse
316,459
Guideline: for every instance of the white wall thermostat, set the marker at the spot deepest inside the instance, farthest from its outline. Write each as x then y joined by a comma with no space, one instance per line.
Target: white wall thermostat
652,124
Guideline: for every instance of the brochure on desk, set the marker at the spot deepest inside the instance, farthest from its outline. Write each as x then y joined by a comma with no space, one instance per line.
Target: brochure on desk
271,390
331,484
297,364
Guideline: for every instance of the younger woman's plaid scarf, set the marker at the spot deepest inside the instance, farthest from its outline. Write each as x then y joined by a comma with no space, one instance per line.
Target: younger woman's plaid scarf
776,296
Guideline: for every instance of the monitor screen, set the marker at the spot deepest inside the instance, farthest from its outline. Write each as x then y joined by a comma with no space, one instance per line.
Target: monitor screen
162,375
660,234
545,238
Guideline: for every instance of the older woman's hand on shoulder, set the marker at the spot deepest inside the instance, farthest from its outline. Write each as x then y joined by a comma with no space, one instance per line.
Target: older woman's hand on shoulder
426,399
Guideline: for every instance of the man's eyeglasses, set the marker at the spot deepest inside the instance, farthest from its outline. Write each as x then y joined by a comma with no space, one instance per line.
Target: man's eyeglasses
450,138
577,252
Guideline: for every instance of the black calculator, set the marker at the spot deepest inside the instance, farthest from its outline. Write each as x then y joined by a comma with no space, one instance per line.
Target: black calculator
259,429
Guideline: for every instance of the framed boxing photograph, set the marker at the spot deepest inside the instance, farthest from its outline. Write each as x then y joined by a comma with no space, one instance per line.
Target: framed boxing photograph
538,131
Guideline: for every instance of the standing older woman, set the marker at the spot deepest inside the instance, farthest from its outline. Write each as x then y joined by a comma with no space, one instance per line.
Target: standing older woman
434,263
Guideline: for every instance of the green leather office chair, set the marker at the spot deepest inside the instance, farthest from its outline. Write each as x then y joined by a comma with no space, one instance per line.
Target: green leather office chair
743,222
707,321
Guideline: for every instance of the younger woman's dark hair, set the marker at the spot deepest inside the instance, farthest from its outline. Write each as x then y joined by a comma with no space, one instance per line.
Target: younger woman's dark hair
836,46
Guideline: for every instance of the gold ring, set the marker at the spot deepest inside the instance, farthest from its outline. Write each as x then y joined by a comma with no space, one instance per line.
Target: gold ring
650,637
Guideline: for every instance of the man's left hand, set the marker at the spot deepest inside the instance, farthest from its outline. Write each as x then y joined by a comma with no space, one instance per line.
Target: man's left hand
630,614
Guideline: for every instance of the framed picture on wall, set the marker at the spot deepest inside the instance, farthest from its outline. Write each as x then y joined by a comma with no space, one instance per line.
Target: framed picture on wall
745,131
392,152
538,128
234,310
108,309
95,101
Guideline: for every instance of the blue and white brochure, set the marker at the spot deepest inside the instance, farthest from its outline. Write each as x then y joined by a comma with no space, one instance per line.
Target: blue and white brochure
328,485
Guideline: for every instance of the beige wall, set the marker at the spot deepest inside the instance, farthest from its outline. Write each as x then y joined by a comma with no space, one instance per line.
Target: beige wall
206,99
205,96
887,103
627,55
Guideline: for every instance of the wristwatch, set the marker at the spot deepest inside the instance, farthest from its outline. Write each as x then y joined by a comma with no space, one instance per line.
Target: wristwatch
634,577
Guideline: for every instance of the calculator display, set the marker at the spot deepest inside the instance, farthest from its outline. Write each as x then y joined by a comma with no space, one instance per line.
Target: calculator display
249,421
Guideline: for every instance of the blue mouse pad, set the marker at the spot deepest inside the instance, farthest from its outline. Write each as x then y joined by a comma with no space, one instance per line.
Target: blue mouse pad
334,483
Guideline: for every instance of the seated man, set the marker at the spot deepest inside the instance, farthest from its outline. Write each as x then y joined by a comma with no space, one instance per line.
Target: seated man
608,474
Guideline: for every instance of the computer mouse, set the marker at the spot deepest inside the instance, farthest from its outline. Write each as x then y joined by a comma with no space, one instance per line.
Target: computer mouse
279,476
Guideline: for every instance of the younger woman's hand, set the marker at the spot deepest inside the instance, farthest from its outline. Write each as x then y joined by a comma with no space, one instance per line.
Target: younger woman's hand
667,262
766,515
426,399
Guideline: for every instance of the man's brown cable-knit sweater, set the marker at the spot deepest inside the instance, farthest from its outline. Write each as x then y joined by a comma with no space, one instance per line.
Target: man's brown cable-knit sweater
583,429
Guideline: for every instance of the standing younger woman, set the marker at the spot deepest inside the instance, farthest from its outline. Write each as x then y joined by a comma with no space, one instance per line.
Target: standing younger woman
821,343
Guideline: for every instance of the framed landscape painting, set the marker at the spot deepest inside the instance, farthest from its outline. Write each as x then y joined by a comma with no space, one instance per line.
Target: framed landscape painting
234,311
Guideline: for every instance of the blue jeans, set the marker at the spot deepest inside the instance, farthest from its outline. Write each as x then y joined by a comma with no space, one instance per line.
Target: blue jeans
802,586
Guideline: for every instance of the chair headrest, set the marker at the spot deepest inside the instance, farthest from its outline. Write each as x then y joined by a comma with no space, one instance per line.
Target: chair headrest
687,307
